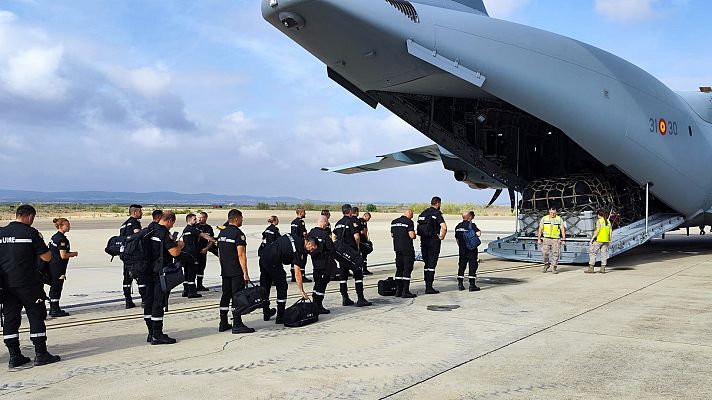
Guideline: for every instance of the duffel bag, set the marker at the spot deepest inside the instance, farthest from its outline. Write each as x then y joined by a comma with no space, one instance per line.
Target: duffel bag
171,277
366,248
300,313
387,287
250,299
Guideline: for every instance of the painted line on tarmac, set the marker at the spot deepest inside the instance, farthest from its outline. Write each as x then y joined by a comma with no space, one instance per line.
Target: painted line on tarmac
536,333
204,307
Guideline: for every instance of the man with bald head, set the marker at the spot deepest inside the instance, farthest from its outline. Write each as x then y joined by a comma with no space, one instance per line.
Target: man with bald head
403,233
322,260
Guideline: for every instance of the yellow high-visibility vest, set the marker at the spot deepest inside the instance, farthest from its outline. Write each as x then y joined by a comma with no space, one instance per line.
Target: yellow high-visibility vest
552,227
604,231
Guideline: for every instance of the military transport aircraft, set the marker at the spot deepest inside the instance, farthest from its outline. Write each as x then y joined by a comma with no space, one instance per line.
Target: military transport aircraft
518,108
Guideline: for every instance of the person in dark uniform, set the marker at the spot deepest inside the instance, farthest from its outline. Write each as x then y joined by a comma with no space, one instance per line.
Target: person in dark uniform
155,218
403,233
363,221
270,234
432,230
323,261
205,246
192,236
466,256
286,250
131,226
163,250
21,287
349,257
232,250
327,214
299,230
61,253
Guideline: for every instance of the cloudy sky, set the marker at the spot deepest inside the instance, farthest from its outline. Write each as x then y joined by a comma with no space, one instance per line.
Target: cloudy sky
204,96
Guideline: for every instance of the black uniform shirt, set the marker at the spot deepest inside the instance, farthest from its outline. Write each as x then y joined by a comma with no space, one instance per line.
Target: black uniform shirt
400,228
460,230
205,228
20,244
270,234
286,250
129,227
57,243
228,240
345,229
325,248
363,225
299,228
153,225
328,228
162,241
191,237
435,217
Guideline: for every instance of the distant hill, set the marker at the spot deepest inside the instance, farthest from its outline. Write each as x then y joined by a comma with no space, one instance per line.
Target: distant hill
97,197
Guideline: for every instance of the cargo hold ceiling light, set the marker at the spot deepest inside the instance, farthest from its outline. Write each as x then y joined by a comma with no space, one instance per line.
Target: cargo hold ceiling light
292,20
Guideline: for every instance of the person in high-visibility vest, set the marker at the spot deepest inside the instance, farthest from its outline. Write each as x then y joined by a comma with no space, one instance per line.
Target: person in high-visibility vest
552,228
600,241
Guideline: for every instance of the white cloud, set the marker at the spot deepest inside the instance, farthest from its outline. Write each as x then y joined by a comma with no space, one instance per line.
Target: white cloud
33,74
146,81
151,136
625,10
7,17
504,8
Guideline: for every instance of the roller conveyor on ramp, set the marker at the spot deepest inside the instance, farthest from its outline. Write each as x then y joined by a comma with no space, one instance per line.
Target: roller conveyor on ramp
575,250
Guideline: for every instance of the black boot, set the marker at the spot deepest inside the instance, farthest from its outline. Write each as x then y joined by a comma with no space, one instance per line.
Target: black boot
200,287
406,290
158,336
361,302
127,296
16,357
366,271
129,303
149,326
319,302
42,356
142,293
185,290
460,284
429,278
193,292
55,311
399,287
345,300
268,313
280,313
304,277
224,324
473,287
237,325
292,272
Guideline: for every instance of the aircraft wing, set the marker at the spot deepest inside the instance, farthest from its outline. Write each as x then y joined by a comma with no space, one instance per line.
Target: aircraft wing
399,159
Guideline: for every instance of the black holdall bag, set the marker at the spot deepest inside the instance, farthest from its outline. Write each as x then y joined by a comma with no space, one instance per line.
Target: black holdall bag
366,247
250,299
136,253
300,313
171,276
387,287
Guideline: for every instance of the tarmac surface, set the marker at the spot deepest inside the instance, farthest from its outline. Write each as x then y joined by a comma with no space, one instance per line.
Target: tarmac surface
640,331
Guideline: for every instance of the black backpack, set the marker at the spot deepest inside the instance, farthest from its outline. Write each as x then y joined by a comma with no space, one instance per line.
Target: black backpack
427,225
115,246
137,252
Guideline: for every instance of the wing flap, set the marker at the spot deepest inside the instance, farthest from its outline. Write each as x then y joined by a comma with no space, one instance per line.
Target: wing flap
403,158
